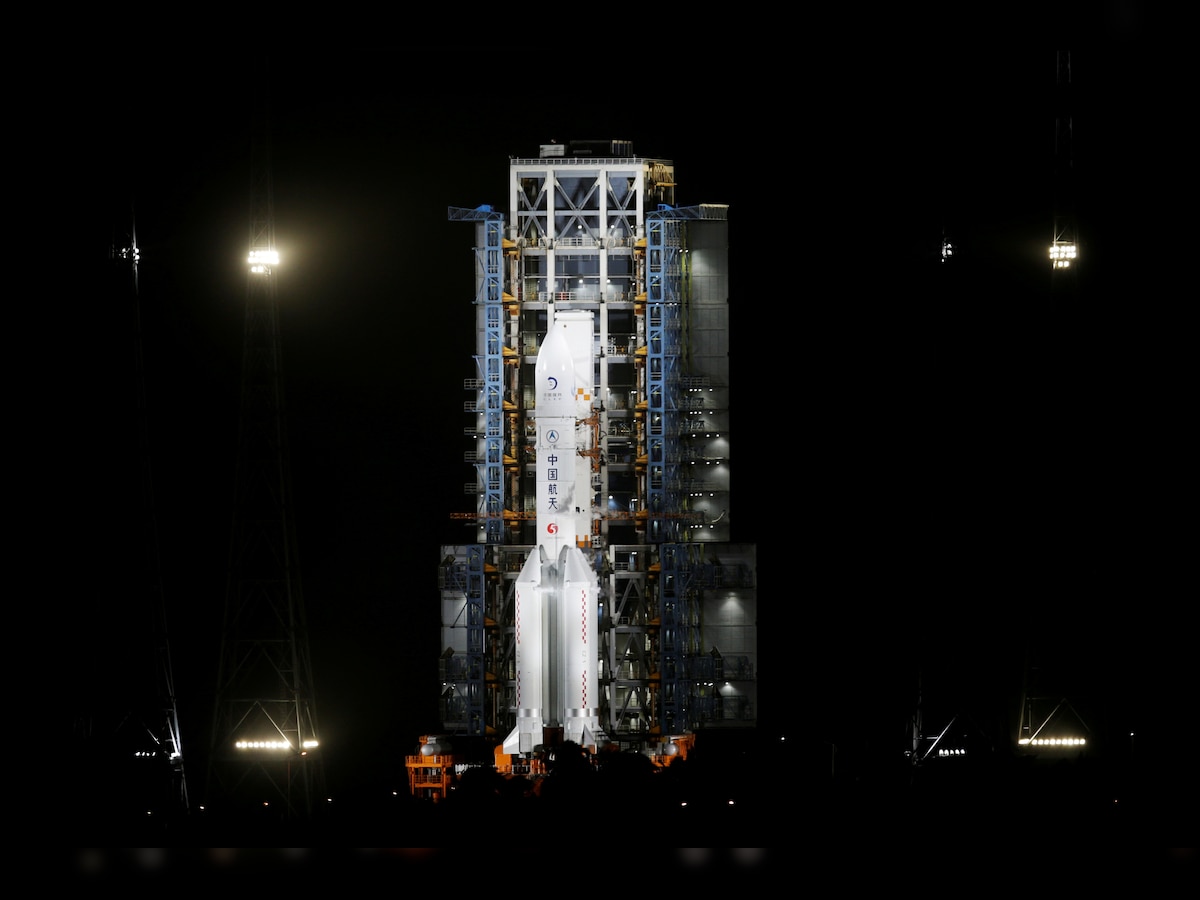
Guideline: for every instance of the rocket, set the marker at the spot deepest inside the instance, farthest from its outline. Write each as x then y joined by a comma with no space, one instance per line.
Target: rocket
556,592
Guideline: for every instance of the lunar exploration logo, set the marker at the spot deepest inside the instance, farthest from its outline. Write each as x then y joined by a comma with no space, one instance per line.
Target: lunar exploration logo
553,382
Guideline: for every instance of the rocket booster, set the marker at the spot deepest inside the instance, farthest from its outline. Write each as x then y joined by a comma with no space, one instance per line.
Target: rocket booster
556,592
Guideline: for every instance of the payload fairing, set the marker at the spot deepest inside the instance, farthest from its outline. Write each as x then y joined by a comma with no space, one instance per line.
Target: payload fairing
556,592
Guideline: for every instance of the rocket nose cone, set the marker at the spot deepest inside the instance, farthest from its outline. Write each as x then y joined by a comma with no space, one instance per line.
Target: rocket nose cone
555,373
574,566
554,356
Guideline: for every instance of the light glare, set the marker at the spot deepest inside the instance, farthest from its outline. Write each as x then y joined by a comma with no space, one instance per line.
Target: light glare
263,745
261,261
1053,742
1062,254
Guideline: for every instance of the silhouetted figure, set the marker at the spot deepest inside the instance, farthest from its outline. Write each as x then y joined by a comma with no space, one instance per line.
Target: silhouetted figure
571,779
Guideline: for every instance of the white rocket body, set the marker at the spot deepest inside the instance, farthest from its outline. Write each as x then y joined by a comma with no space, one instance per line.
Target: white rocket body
556,592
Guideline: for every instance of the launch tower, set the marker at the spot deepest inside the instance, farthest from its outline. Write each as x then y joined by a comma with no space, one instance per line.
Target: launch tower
594,238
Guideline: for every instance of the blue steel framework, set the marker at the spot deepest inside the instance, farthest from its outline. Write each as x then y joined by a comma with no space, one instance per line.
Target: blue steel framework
663,301
492,298
665,237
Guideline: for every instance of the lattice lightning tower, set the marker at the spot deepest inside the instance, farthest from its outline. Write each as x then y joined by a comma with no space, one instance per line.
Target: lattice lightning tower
265,738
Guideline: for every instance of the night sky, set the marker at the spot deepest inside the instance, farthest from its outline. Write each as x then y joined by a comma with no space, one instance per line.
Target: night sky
937,468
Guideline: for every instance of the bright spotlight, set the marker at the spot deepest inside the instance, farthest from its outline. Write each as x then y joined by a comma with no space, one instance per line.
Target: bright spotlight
261,261
1061,254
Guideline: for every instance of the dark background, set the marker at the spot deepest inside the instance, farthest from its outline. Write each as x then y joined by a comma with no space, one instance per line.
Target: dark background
942,469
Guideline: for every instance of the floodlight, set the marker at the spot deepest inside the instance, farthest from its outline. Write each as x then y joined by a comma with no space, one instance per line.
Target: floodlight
1062,253
261,261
